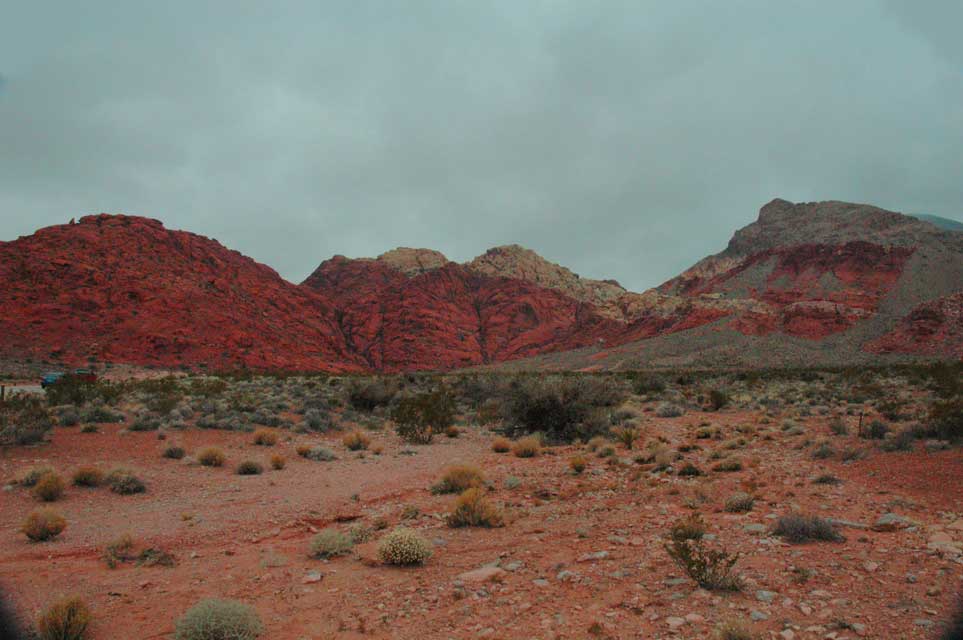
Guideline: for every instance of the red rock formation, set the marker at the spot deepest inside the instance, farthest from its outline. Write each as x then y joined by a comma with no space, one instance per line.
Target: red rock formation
934,328
125,289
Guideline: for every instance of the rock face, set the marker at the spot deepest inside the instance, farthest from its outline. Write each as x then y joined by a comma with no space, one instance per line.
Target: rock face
125,289
805,284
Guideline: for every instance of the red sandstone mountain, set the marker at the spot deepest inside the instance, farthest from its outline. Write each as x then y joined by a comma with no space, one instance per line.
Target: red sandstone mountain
817,283
125,289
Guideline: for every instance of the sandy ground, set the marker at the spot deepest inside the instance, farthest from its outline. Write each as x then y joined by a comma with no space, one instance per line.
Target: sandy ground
581,556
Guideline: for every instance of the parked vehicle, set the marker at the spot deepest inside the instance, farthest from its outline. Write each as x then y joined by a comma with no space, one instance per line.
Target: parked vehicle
83,375
50,378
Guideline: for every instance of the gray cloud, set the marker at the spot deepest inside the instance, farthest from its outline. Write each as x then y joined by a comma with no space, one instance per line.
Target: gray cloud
622,139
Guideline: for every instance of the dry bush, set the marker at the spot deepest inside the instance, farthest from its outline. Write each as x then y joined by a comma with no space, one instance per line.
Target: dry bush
739,502
318,454
43,524
66,619
356,441
265,438
120,550
49,488
173,452
277,462
565,408
577,464
501,445
34,474
729,464
733,631
688,528
796,528
215,619
710,568
330,543
368,395
627,436
472,509
527,447
452,431
211,457
88,477
404,546
420,416
125,482
458,478
249,468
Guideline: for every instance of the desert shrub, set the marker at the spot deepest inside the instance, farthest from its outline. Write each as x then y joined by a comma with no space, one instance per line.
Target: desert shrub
66,619
718,399
43,524
838,426
318,454
875,430
249,468
125,482
215,619
145,422
368,395
564,408
827,478
316,420
330,543
527,447
689,528
265,438
472,509
277,462
71,389
823,450
452,431
501,445
173,452
420,416
689,470
669,410
356,441
710,568
643,385
739,502
796,528
34,474
577,464
404,546
23,420
118,551
902,441
211,457
49,487
728,464
945,419
627,436
88,477
154,557
733,631
100,414
458,478
69,417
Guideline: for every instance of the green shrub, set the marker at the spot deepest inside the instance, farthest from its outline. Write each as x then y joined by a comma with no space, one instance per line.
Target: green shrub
249,468
669,410
318,454
718,399
419,417
125,483
66,619
43,524
368,395
404,546
729,464
24,420
946,419
173,452
564,408
876,430
219,620
710,568
330,543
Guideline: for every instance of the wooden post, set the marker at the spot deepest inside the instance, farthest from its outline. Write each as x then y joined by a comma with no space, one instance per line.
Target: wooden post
3,393
859,428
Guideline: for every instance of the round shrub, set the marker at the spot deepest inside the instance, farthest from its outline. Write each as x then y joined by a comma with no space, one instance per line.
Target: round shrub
330,543
277,462
66,619
356,441
265,438
173,452
216,619
48,488
88,477
125,483
669,410
472,509
404,546
739,502
457,478
34,474
211,457
528,447
43,524
249,468
577,464
501,445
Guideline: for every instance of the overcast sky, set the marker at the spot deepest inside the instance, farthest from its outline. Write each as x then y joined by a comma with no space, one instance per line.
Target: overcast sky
623,140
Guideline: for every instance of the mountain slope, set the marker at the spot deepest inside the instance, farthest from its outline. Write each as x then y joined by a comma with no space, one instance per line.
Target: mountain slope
125,289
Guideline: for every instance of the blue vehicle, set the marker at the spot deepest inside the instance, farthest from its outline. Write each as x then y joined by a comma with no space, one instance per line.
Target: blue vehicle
50,378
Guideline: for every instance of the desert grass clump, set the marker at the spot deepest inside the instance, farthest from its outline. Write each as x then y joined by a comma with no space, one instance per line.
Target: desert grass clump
501,445
728,464
527,447
472,509
627,436
265,438
34,474
125,482
120,550
216,619
459,478
876,430
689,470
577,464
356,441
277,462
739,502
827,478
669,410
318,454
823,451
452,431
88,477
733,631
689,528
173,452
404,546
43,524
49,488
710,568
330,543
249,468
66,619
796,528
211,457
